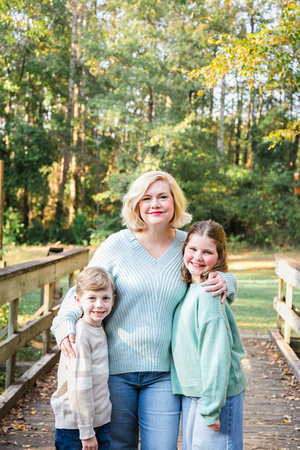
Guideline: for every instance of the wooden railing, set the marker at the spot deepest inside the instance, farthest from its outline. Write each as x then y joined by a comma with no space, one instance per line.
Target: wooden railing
288,271
288,316
19,280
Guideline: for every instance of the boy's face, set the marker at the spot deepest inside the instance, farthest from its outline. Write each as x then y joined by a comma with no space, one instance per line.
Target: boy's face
96,305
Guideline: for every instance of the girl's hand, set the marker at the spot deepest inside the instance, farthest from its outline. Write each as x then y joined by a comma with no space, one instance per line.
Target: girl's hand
90,444
67,348
215,426
216,284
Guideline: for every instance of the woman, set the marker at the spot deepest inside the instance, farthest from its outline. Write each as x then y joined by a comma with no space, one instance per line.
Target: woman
145,261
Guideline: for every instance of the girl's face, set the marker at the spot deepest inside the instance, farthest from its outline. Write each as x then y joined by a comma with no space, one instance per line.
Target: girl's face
157,205
200,256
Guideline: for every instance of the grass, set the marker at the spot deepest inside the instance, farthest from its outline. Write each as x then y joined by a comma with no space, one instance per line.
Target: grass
253,309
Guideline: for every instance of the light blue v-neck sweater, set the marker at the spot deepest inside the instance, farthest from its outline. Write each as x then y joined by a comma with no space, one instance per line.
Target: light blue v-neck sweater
148,290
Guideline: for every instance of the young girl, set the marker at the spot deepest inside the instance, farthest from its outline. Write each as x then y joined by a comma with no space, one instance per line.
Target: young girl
207,350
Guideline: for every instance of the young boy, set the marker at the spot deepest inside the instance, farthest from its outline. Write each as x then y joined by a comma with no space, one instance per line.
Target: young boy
81,402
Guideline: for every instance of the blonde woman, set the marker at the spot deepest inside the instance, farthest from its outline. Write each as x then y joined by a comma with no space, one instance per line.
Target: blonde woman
145,261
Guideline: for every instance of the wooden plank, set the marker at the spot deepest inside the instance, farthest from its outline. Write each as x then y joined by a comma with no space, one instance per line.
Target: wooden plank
11,395
280,296
48,298
288,314
17,281
288,269
11,329
287,352
25,334
289,304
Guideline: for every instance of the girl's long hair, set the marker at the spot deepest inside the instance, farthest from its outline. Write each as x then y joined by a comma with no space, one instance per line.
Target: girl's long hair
214,231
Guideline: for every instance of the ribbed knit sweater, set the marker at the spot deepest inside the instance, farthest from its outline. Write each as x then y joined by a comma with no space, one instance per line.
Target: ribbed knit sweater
148,290
81,400
207,351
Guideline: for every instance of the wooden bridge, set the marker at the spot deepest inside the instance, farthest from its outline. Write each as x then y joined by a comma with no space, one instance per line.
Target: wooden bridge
272,402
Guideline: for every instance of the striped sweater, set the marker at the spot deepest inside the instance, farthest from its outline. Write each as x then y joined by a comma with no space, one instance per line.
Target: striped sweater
81,400
148,291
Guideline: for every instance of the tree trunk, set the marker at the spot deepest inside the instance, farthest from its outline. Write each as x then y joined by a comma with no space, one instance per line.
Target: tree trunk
83,116
66,146
222,118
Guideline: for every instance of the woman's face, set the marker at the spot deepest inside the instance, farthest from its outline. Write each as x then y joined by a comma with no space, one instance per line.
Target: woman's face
157,205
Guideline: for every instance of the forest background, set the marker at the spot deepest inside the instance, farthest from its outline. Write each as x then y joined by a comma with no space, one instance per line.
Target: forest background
94,93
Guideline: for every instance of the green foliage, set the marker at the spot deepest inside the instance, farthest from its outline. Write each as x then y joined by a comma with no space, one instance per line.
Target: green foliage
146,96
80,230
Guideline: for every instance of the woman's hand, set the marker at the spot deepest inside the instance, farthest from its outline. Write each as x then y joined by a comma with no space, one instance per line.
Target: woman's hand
215,426
67,348
90,444
216,284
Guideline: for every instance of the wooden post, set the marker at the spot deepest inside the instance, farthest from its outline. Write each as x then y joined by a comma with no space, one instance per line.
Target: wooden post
280,296
71,280
1,205
11,329
289,304
48,297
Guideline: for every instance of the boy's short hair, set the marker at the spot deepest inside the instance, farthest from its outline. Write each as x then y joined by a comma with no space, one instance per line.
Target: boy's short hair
131,212
94,279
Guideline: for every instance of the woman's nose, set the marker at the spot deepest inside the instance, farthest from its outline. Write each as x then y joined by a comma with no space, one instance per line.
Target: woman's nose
154,202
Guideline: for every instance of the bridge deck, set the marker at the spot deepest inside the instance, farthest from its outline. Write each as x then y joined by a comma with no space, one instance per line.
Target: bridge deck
271,413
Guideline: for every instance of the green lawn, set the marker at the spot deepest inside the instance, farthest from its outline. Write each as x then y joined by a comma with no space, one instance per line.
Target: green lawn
253,308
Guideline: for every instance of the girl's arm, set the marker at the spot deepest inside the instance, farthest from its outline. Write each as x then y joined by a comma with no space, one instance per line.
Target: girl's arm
214,349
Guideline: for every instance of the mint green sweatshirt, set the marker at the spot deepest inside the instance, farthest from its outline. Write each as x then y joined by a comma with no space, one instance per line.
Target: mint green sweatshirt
207,351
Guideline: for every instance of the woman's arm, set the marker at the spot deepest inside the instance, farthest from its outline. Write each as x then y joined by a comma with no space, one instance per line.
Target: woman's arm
222,283
63,326
69,312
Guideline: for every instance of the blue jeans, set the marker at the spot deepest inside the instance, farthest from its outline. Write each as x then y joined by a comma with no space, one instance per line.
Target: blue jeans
196,435
69,439
143,402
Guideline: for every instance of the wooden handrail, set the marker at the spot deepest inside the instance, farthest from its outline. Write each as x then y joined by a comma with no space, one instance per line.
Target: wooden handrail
288,271
18,280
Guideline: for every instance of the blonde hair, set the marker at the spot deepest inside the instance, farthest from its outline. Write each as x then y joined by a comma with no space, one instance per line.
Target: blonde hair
131,212
94,279
214,231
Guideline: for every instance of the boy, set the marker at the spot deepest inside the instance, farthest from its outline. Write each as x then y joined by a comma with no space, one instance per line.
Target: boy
81,402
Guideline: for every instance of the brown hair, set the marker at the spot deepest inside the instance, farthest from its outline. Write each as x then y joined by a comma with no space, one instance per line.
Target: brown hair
94,279
214,231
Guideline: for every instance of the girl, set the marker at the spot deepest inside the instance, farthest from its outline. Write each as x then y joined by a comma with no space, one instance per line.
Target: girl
207,350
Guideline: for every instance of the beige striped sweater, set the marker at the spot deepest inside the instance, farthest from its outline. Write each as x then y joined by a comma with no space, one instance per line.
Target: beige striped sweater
81,400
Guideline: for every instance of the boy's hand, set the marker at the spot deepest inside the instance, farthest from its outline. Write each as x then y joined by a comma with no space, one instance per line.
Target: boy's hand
90,444
215,426
67,348
216,284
